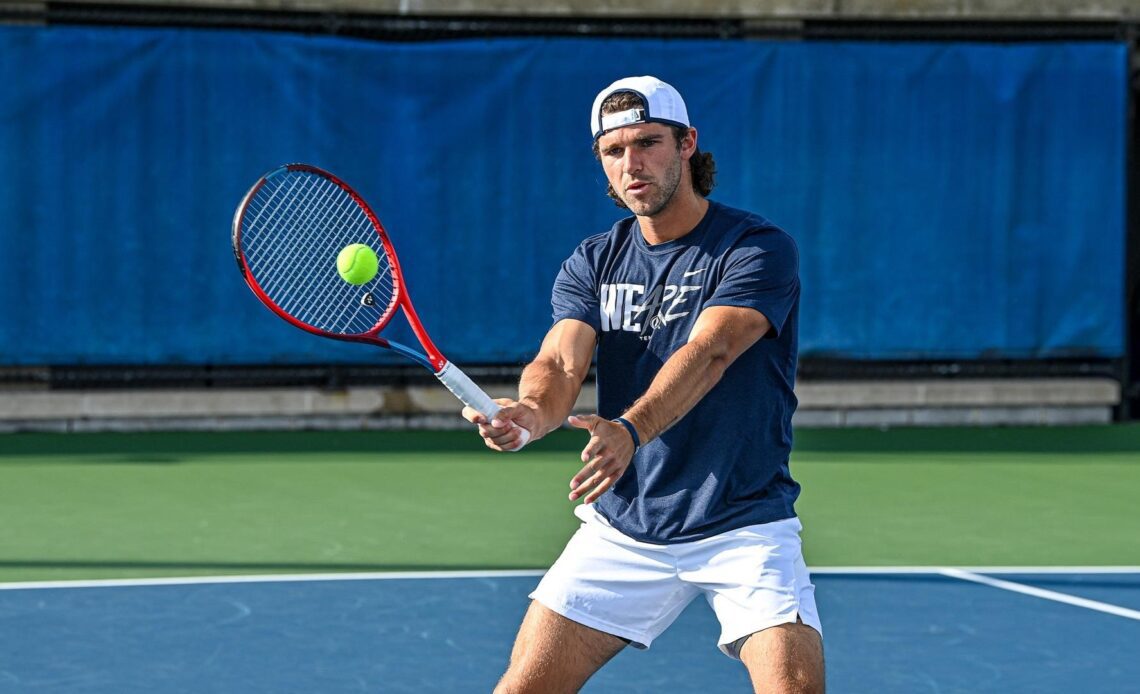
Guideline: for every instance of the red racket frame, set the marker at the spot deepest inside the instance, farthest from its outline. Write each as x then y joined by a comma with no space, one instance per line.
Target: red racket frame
433,359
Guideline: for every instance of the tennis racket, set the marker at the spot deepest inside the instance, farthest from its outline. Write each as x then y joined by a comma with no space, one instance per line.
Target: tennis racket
287,233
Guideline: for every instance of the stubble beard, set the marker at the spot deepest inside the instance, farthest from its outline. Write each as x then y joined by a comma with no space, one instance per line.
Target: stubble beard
666,188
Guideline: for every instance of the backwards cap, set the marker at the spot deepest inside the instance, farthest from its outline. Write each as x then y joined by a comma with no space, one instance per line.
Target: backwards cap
662,105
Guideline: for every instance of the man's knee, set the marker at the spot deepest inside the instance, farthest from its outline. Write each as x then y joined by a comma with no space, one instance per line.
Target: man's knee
554,654
532,669
787,659
511,683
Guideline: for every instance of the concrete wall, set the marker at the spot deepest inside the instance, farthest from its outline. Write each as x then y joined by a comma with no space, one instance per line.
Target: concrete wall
827,404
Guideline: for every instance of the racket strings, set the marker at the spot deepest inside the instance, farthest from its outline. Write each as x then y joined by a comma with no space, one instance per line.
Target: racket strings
322,215
296,205
325,214
294,227
291,213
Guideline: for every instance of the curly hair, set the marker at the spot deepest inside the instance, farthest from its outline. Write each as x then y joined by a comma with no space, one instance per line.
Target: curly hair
701,164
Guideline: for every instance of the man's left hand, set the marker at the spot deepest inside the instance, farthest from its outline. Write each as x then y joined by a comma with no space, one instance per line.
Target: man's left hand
606,456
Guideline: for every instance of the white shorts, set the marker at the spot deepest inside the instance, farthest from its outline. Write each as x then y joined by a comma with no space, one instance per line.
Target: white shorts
753,577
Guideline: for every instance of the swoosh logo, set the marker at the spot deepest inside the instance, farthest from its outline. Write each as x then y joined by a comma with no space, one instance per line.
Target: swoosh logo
690,273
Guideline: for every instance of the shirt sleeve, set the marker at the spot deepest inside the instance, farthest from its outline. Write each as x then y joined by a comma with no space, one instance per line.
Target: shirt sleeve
574,295
761,272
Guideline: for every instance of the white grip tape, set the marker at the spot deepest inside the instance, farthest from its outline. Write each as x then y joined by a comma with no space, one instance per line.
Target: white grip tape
472,395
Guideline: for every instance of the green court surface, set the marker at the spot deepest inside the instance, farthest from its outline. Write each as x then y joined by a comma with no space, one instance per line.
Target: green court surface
180,504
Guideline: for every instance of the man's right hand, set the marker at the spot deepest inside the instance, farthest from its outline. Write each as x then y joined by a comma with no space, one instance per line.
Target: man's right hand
504,431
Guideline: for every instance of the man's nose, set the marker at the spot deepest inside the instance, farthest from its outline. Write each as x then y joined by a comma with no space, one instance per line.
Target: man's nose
631,162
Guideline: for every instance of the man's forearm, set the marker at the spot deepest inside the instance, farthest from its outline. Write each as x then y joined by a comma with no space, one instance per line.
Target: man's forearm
551,390
683,380
720,336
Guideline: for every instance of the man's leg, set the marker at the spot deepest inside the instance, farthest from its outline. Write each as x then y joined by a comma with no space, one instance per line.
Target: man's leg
785,659
553,654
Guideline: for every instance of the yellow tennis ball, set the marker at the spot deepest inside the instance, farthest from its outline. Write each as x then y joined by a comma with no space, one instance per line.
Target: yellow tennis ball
357,263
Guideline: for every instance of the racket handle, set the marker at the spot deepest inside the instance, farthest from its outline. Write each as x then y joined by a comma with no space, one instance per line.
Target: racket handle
473,396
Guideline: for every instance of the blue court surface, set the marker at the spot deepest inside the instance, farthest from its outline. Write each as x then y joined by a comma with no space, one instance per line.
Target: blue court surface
891,630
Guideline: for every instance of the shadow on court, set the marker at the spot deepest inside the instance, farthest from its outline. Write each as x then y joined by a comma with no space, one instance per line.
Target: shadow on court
172,447
1124,438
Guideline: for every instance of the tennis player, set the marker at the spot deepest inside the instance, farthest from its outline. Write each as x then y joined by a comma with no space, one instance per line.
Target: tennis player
692,307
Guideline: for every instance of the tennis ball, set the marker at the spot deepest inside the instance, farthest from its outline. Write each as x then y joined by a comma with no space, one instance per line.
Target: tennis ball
357,263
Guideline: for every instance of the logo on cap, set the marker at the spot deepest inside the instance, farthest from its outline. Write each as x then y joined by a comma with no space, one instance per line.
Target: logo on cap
663,104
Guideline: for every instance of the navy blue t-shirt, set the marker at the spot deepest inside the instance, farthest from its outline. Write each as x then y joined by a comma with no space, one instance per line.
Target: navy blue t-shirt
724,465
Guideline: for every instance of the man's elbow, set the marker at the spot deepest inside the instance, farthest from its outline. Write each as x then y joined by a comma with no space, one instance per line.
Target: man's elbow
739,340
717,366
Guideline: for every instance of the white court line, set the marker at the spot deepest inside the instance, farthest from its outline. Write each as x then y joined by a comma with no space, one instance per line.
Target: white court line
1042,593
507,573
266,578
902,570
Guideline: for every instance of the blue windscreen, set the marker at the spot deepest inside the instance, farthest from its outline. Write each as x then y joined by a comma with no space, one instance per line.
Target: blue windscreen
949,200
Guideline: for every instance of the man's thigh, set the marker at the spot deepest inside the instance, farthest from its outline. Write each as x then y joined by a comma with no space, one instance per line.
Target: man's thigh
785,659
553,654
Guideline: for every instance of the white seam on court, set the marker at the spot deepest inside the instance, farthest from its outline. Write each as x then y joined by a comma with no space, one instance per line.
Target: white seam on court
902,570
266,578
1065,598
507,573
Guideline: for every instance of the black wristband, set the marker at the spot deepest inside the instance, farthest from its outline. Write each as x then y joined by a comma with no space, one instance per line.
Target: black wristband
632,432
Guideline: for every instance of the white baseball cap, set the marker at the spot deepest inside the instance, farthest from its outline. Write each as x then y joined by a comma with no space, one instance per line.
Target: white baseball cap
663,104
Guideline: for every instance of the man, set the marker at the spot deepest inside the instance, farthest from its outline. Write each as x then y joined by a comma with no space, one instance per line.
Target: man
692,307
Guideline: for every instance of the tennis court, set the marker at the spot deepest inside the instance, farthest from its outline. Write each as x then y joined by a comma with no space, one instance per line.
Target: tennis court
401,561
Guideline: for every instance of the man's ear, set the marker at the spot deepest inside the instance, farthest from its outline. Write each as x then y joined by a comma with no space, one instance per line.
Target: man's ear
689,143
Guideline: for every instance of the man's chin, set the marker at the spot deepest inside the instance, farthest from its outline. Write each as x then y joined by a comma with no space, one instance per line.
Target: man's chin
641,206
644,208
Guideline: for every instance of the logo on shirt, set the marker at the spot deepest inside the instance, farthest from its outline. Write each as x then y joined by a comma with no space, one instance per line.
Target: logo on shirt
627,306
